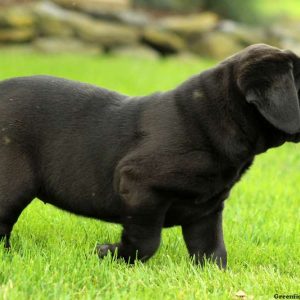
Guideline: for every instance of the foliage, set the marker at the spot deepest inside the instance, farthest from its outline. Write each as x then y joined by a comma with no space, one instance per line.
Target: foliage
51,255
175,5
245,10
249,11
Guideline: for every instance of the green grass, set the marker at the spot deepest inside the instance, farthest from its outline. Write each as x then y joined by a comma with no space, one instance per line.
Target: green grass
51,256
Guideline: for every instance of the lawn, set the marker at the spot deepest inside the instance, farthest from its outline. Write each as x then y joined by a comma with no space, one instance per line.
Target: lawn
52,251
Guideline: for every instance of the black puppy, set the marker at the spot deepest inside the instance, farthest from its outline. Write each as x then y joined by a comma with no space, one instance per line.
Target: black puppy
150,162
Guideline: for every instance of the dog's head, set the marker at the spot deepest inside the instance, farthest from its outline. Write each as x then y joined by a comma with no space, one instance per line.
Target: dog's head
269,78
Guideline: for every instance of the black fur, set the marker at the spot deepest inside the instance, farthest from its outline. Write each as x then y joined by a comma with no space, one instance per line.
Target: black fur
150,162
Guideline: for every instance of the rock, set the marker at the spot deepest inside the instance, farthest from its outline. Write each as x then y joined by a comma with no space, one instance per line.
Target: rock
139,52
280,35
186,57
53,27
216,45
16,48
104,33
123,14
192,25
95,5
246,35
53,20
163,41
16,35
68,23
291,45
134,18
285,31
65,45
117,11
17,17
129,17
17,24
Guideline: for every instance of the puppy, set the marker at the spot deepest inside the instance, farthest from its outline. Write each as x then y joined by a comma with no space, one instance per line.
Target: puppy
150,162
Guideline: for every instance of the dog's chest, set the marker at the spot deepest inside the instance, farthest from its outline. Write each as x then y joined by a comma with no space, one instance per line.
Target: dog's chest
212,191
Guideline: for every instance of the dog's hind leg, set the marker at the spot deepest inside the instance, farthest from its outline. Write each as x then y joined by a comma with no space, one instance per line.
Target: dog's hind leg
17,188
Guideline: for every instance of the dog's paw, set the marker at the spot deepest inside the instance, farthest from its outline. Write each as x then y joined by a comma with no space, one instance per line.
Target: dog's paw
103,249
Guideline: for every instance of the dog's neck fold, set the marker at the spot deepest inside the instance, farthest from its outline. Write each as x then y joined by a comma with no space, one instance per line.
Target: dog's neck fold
212,103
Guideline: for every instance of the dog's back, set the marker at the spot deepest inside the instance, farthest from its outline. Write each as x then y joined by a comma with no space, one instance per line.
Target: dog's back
60,141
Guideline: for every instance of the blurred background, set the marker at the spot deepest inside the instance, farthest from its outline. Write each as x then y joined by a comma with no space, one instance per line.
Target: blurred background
149,29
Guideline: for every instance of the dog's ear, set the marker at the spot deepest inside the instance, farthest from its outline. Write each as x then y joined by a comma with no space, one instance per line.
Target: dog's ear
278,103
268,82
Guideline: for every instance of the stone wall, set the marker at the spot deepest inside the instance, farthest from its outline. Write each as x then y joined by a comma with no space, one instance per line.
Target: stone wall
97,26
12,2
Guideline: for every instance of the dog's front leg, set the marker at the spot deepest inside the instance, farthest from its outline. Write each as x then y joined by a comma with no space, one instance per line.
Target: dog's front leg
140,239
204,239
143,217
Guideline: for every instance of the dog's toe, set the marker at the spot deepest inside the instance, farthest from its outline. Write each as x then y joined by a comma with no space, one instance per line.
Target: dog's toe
103,249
